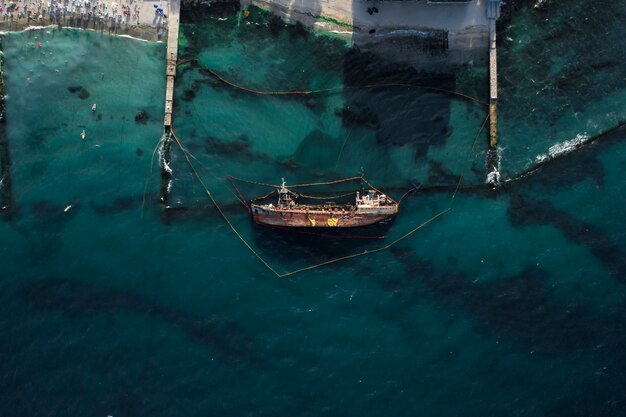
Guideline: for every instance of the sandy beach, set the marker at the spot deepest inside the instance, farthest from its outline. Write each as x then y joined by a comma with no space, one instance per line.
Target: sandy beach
140,19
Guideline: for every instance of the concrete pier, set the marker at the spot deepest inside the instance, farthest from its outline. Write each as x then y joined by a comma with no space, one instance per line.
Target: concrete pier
493,13
170,72
171,57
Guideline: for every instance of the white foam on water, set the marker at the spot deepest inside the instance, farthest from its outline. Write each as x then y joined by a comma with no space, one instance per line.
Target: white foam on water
563,147
493,177
137,39
29,28
162,163
166,167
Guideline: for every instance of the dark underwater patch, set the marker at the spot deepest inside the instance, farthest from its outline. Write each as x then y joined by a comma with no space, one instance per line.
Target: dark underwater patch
534,66
365,117
238,149
524,211
439,174
80,91
519,308
188,95
46,209
78,299
117,205
142,117
195,13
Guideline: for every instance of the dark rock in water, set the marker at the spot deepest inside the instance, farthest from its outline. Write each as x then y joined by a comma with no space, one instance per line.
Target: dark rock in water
290,163
139,152
80,91
188,95
142,117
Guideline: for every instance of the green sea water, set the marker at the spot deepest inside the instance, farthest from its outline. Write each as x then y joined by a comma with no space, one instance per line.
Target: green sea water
511,303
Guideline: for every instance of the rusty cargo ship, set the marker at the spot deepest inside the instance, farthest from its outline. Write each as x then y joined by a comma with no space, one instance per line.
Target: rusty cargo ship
368,208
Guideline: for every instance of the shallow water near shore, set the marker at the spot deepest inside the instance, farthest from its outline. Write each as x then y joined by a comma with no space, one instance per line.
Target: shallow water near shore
510,303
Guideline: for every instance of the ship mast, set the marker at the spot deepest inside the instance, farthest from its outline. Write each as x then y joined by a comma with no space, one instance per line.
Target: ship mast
284,196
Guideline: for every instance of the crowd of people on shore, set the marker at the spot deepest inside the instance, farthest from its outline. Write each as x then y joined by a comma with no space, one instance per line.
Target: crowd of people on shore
72,12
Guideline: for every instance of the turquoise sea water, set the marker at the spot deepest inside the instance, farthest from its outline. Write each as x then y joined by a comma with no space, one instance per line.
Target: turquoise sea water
509,304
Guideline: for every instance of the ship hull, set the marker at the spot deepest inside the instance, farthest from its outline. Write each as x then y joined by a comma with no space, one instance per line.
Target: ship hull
320,219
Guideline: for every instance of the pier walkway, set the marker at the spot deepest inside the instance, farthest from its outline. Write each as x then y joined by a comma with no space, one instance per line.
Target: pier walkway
171,57
493,13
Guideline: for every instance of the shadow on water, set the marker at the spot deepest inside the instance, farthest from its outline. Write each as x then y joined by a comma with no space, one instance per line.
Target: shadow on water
394,113
75,299
312,246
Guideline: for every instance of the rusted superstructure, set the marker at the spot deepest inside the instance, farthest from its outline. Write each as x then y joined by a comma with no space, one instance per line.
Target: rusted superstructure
370,208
